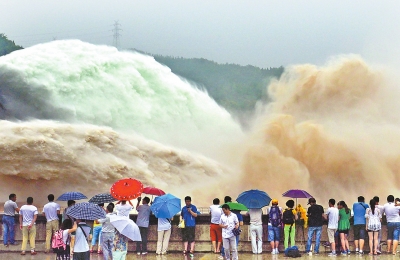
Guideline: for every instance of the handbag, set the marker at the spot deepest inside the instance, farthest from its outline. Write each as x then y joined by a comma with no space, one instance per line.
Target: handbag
181,224
236,231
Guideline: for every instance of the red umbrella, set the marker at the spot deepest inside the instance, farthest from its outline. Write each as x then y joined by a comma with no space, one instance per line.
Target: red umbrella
126,189
153,191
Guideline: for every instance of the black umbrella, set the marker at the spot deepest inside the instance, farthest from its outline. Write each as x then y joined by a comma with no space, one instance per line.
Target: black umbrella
102,198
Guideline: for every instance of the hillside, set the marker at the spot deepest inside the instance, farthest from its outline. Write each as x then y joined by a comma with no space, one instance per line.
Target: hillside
7,46
235,87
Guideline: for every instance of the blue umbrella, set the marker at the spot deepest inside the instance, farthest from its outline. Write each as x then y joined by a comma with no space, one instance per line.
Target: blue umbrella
87,211
102,198
72,195
254,199
166,206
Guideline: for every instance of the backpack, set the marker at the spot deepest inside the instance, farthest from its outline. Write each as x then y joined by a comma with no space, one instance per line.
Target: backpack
275,216
288,217
292,252
57,244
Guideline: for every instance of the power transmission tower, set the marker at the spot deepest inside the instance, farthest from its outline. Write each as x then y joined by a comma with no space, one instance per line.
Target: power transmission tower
116,34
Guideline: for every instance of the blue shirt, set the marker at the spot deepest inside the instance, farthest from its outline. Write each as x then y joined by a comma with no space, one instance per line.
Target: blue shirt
359,209
190,221
239,216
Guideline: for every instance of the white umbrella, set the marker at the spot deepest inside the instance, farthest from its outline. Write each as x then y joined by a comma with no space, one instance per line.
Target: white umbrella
126,227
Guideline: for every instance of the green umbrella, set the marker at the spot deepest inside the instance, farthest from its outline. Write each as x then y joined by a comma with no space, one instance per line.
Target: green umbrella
236,206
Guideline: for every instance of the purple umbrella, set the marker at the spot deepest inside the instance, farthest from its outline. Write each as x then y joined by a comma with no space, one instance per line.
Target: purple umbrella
297,194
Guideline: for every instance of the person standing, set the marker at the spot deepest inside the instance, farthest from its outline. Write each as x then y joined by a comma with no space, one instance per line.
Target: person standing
67,229
289,217
142,221
315,220
344,226
10,207
70,203
97,226
373,225
228,222
27,223
393,224
120,246
163,235
274,226
51,211
215,229
256,230
380,207
107,234
359,209
79,241
189,215
332,215
124,209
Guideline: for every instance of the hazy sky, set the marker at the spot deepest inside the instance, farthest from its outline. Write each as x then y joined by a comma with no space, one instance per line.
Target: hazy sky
257,32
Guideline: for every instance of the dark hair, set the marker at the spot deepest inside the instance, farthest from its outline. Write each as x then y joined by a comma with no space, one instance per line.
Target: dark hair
110,208
361,199
372,204
390,198
376,198
226,206
70,202
290,203
146,199
12,195
188,198
50,197
332,201
29,200
396,199
216,201
67,224
227,199
101,204
344,205
112,205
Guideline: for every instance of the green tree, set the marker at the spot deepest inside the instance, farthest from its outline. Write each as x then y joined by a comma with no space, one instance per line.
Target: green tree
7,46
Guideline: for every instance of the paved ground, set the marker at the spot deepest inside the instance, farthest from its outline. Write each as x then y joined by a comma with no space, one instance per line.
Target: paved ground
200,256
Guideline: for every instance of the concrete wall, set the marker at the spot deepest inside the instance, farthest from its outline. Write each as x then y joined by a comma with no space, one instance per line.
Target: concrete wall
202,236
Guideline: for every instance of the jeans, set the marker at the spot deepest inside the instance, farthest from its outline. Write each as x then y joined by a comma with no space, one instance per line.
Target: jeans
8,229
96,235
230,245
107,243
256,232
311,231
141,246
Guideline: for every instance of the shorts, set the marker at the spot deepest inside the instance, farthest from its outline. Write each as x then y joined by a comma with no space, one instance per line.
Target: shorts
331,235
215,232
359,232
274,233
393,231
188,234
345,231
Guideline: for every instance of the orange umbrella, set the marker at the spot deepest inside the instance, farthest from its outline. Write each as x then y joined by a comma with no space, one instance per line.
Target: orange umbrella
126,189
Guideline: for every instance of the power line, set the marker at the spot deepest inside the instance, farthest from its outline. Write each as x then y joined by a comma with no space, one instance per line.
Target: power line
116,34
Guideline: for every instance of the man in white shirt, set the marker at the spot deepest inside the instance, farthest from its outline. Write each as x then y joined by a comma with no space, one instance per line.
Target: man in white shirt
27,218
79,246
215,229
51,211
123,209
332,215
107,233
228,222
256,230
10,207
393,224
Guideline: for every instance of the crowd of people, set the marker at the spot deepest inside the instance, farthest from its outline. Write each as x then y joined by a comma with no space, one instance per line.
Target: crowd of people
224,228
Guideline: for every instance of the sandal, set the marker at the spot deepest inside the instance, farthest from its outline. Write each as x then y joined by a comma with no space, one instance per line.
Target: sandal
99,252
91,251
